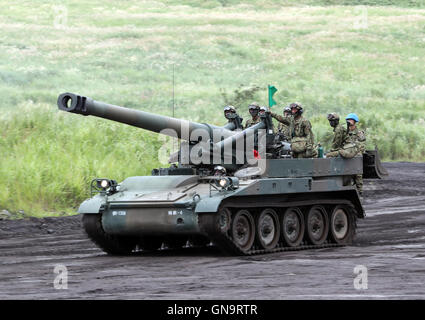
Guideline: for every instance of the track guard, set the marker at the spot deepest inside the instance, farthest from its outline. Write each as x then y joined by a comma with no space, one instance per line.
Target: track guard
372,166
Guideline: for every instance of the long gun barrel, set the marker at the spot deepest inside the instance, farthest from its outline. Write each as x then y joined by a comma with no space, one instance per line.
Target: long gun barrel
74,103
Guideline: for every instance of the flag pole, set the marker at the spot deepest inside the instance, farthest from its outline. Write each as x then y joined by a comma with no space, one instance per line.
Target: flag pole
268,94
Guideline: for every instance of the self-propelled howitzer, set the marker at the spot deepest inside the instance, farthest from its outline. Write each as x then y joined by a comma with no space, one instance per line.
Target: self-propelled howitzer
274,204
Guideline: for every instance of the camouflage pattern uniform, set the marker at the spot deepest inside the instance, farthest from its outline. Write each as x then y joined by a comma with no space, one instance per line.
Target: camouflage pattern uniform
339,137
358,137
299,128
255,117
283,128
302,128
252,121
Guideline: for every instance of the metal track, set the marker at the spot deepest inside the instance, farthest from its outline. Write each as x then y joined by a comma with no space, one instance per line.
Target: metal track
210,225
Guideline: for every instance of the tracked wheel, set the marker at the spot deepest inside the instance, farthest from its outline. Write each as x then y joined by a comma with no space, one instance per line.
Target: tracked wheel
268,229
243,230
292,225
111,244
342,225
317,225
225,219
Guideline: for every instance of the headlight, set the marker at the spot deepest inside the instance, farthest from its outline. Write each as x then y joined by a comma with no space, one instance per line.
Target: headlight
224,182
227,183
104,184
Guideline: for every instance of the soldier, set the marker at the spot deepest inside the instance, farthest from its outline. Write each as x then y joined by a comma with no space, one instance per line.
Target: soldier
254,109
357,137
229,112
302,138
219,171
354,134
353,144
283,128
302,135
339,132
232,117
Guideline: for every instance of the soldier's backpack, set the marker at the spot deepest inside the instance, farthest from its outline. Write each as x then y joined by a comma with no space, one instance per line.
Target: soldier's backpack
349,150
299,144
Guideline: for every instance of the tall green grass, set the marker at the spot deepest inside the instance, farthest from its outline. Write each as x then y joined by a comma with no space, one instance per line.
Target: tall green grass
332,56
48,158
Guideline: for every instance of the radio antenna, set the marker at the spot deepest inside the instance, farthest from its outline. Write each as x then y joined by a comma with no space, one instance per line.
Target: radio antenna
173,90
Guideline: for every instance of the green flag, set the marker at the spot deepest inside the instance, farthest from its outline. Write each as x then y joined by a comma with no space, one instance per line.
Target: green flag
272,91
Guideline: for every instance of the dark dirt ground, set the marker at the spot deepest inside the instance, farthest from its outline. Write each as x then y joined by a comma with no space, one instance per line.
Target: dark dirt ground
390,243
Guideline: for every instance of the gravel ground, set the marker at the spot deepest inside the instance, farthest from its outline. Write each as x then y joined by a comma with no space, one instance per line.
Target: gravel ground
390,247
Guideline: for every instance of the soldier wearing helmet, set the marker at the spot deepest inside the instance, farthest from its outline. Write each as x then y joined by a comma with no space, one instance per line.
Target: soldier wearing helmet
353,145
339,131
283,128
219,171
357,137
254,109
263,110
229,112
302,138
354,135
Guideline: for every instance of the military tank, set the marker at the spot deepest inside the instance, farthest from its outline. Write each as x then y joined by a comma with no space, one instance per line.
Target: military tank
239,190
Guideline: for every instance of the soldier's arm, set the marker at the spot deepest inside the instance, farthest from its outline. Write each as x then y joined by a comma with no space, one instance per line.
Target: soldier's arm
309,134
339,137
361,141
361,136
279,118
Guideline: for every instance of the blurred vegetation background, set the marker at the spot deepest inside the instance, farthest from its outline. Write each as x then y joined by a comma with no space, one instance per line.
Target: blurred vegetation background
364,56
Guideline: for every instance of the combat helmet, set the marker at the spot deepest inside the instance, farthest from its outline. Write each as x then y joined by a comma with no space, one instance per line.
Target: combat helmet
219,171
297,106
333,119
264,109
352,116
254,108
229,112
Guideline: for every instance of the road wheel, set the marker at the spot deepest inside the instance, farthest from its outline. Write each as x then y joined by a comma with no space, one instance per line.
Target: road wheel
342,225
268,229
317,225
225,219
292,227
243,230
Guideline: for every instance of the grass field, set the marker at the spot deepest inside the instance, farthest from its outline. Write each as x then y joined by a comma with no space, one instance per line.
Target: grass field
367,59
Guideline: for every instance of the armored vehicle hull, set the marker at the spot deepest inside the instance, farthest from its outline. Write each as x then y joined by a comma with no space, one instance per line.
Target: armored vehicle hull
295,204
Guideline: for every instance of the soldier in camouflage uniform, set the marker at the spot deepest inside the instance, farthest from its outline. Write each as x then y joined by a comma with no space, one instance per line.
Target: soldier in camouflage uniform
339,132
253,108
353,145
357,137
283,129
302,137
